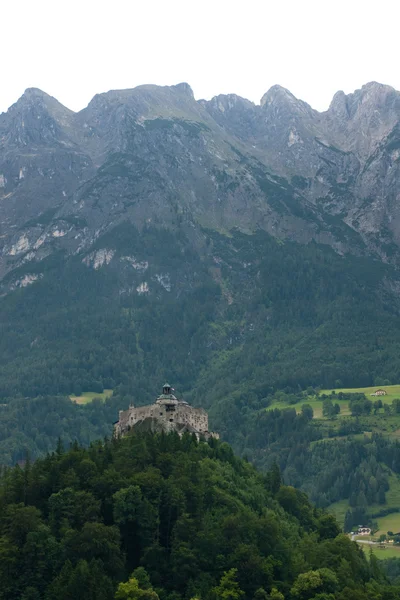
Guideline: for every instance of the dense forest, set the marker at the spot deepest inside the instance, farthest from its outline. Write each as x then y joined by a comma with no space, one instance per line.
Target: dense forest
241,314
158,516
325,463
32,427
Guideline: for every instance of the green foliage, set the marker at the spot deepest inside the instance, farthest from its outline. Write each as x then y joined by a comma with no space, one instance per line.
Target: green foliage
162,516
360,406
234,339
228,588
308,585
275,595
32,427
307,411
329,409
230,330
131,590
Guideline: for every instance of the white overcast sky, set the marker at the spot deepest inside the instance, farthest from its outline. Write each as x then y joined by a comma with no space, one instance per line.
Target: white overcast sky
76,48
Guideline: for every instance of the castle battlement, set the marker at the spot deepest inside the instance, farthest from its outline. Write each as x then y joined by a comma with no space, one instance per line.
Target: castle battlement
167,414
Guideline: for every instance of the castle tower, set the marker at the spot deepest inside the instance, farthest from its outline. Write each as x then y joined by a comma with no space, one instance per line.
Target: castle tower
167,390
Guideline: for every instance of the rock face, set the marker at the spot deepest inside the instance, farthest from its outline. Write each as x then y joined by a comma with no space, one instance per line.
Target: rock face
344,161
156,156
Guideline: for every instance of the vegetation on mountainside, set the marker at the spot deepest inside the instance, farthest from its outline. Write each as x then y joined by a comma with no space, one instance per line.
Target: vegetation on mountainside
156,516
249,315
245,317
31,427
343,397
360,471
86,397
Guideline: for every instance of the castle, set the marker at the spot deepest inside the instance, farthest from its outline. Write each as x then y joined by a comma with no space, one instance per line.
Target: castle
166,414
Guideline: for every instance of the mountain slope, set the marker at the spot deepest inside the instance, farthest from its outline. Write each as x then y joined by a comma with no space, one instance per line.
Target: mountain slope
154,154
260,241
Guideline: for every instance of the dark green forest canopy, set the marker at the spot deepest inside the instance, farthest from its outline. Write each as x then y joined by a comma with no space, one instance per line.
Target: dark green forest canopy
328,471
76,523
244,312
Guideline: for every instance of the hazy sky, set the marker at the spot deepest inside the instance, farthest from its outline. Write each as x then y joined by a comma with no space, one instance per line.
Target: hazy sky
74,49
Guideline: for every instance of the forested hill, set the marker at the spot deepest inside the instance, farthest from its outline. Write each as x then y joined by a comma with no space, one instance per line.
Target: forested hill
156,516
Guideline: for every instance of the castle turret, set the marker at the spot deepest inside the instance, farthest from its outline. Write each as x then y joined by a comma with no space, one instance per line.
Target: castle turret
166,389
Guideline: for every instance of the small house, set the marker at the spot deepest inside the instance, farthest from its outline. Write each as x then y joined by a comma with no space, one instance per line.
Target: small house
379,393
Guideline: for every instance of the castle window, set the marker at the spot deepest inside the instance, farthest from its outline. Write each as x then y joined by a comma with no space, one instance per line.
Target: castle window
160,414
171,420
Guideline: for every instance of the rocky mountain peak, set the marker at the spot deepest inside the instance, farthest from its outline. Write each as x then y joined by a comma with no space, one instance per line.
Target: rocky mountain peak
361,120
36,98
153,154
277,93
33,92
375,91
338,106
372,96
280,103
185,88
227,102
145,102
36,118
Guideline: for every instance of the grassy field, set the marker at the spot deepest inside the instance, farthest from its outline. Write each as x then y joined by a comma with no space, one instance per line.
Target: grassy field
390,522
89,396
338,509
381,553
392,499
316,406
393,391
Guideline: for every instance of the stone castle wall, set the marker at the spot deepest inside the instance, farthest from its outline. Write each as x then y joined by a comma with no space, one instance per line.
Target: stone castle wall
169,414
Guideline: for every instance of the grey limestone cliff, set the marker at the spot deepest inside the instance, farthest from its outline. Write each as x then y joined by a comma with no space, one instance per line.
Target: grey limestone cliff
156,156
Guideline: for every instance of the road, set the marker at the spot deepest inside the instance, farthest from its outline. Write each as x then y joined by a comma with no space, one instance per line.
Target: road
353,539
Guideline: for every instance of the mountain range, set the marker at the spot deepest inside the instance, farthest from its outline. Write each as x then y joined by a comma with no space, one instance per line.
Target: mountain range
155,155
151,235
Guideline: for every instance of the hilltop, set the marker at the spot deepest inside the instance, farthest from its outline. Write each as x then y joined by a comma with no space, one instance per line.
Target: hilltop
176,517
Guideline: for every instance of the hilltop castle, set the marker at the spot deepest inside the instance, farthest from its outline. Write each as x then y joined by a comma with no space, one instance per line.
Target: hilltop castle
166,414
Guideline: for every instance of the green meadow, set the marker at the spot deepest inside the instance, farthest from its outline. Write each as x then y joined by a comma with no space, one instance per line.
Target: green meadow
392,392
316,404
389,522
87,397
381,553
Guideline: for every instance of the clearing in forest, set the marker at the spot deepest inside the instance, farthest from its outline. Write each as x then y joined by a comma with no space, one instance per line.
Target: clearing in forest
87,397
392,392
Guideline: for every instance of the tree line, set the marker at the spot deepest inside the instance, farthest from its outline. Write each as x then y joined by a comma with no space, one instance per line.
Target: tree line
162,517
